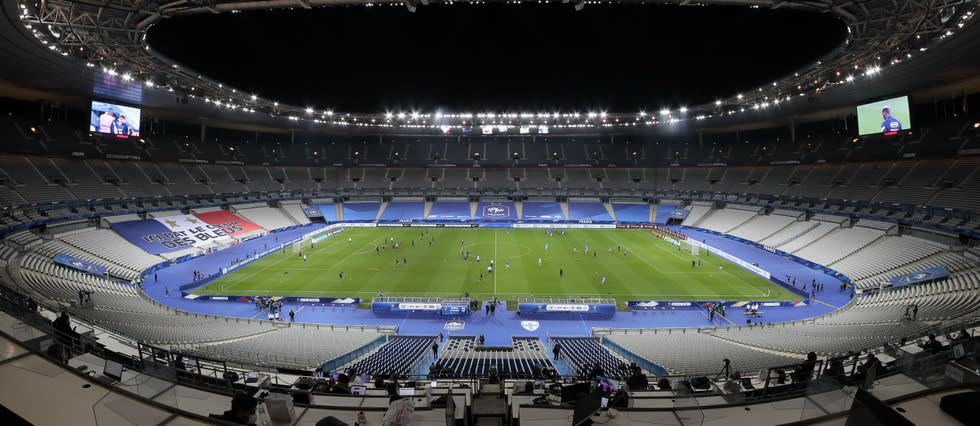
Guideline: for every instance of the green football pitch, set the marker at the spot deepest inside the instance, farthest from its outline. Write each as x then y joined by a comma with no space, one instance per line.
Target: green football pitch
430,262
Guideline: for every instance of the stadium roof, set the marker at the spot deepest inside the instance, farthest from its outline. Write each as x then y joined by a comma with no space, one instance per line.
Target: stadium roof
71,51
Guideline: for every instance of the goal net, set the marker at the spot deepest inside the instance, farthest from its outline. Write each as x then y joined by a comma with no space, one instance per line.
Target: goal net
298,247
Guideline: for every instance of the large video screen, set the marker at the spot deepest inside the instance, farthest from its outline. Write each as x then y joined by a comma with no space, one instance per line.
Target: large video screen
114,119
884,117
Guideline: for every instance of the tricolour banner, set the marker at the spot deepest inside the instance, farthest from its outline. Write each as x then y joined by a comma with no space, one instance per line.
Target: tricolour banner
173,233
83,265
921,276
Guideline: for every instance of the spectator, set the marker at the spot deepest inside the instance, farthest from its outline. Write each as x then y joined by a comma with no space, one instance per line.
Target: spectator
435,349
805,371
341,386
870,364
242,410
963,335
482,339
637,381
932,345
557,349
58,352
835,370
392,389
63,329
597,371
179,363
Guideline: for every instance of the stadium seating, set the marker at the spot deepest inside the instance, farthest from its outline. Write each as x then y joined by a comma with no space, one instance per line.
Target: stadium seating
867,251
953,262
403,210
111,246
595,212
838,244
361,211
888,253
761,227
697,213
692,352
398,353
294,211
632,212
813,233
268,218
724,220
300,346
585,352
453,210
547,211
460,358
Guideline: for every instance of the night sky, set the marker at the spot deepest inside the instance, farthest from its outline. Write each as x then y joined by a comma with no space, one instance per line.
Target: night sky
538,57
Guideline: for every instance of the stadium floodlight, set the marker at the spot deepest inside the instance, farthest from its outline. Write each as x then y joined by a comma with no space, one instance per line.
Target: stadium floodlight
388,115
329,112
309,110
739,96
665,111
849,78
401,115
592,115
643,114
718,103
683,110
254,97
275,104
602,114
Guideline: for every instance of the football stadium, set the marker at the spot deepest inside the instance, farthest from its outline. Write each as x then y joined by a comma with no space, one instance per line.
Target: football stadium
311,212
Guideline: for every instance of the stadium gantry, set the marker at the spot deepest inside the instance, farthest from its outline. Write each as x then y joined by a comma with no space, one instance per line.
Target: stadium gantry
111,35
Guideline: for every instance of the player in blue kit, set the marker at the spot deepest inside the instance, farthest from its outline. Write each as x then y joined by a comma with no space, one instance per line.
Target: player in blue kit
890,124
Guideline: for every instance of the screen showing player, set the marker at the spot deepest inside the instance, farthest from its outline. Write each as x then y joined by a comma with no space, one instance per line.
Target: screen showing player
114,119
887,117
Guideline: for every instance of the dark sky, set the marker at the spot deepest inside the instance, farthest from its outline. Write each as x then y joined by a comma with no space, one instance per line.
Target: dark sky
498,57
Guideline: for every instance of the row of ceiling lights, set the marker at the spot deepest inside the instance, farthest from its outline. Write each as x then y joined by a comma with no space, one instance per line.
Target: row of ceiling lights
762,101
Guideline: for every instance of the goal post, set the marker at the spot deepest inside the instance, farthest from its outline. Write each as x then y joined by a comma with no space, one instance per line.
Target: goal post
695,251
298,247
